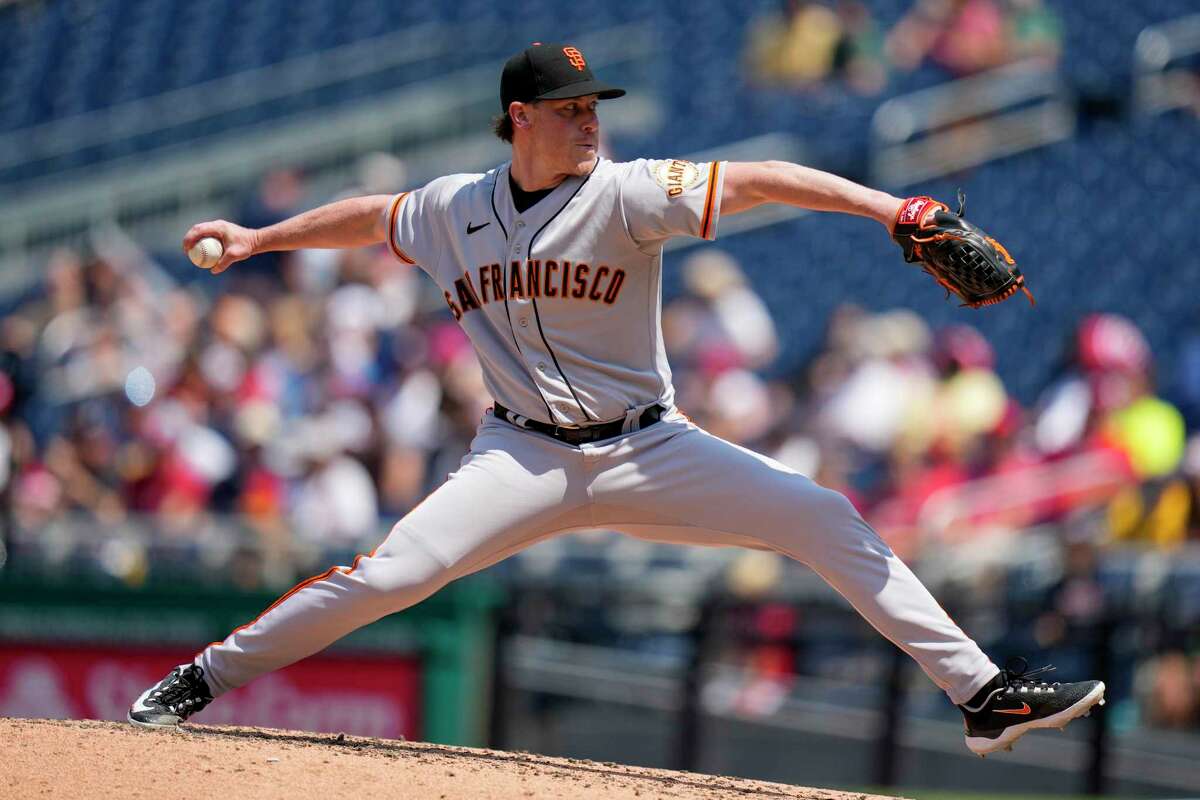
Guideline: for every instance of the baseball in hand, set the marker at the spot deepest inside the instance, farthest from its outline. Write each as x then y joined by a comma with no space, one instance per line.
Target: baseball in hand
206,252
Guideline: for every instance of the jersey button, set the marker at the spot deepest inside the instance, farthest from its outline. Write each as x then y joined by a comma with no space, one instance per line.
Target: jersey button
520,224
542,366
524,322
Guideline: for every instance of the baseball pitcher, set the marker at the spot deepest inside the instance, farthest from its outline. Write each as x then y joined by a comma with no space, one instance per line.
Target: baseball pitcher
552,265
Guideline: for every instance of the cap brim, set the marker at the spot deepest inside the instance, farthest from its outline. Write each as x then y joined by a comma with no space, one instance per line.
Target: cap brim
603,90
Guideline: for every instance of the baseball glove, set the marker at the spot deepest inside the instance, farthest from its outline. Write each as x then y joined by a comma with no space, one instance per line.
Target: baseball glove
959,256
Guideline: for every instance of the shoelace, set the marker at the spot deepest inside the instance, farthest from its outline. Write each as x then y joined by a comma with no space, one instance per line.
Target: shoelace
185,683
1020,676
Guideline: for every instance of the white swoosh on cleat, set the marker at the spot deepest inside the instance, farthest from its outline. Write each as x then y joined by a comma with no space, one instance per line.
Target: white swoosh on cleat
138,705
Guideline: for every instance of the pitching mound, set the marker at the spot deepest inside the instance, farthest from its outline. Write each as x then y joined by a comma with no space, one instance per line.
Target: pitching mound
108,760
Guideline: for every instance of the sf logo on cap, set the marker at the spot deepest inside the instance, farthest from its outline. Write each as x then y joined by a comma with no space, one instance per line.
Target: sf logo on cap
575,57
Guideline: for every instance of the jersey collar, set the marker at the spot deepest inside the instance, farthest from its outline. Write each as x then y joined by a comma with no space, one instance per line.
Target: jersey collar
540,213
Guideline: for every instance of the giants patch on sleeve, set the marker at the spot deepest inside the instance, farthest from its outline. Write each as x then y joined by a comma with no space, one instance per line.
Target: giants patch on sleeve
676,176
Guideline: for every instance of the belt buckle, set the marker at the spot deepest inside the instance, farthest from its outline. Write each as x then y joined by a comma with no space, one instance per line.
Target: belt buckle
562,434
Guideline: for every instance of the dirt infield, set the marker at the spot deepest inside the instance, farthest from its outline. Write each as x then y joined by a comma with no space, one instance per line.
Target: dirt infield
108,760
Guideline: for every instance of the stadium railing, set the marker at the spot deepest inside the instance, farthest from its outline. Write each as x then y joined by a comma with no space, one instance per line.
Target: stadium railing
967,122
1087,479
1162,81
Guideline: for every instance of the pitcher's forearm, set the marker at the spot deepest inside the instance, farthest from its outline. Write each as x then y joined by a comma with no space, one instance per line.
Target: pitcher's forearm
354,222
748,185
823,191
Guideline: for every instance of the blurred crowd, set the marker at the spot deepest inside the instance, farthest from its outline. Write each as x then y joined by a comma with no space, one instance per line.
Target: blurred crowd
317,392
310,393
916,427
810,44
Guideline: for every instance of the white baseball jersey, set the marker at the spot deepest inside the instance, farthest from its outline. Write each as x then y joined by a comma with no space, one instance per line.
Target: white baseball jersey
562,301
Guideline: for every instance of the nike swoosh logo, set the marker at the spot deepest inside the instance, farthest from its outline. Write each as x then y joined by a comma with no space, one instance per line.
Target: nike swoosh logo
472,228
1023,710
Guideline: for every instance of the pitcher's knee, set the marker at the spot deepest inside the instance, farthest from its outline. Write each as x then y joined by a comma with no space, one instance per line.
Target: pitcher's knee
826,512
401,579
837,506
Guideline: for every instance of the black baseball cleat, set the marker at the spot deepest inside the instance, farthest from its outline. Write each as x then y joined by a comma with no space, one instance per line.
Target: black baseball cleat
1014,704
173,699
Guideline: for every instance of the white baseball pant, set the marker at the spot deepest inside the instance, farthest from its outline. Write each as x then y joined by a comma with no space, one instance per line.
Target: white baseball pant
671,482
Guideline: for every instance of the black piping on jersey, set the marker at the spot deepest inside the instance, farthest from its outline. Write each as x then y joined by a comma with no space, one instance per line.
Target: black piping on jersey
538,389
536,315
496,213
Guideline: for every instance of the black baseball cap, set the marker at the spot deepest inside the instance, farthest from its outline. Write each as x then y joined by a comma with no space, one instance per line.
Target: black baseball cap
547,71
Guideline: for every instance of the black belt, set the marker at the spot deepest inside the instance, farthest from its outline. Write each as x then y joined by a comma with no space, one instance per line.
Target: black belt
577,436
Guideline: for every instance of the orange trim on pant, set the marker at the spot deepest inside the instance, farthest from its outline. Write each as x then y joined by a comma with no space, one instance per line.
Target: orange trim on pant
708,199
317,578
301,585
396,251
